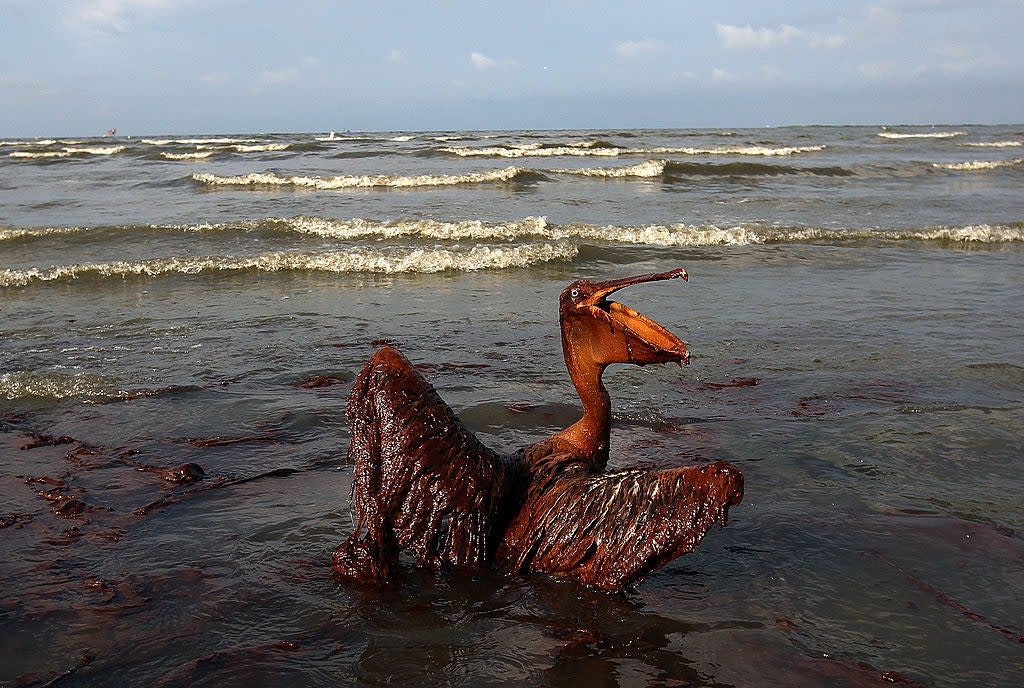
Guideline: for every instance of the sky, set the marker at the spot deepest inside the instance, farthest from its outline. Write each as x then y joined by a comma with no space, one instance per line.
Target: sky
80,67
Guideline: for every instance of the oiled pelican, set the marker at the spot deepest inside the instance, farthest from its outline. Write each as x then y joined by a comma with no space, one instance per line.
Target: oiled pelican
425,484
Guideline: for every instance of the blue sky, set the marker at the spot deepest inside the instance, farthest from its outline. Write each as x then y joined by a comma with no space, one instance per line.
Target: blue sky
79,67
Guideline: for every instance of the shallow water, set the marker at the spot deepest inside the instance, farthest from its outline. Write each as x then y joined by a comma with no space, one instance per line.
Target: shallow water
880,535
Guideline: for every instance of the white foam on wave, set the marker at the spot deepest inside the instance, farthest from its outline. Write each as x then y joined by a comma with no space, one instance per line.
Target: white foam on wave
921,135
201,155
333,136
403,260
36,142
529,150
648,168
197,141
737,150
69,151
995,144
985,234
528,229
747,235
357,181
423,229
96,150
40,155
978,165
402,139
55,385
679,234
248,148
19,232
590,149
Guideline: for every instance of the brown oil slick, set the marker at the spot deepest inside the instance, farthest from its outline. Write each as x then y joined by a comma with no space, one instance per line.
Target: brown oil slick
423,483
948,600
317,381
735,382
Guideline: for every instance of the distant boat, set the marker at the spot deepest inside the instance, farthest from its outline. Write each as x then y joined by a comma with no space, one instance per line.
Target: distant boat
111,132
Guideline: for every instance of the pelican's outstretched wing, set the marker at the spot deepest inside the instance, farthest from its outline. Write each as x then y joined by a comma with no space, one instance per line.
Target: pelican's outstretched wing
422,481
610,529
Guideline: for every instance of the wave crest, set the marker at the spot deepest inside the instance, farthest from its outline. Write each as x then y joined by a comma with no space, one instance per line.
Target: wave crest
605,149
738,150
55,385
977,165
197,141
69,151
921,135
186,156
423,229
359,181
646,169
537,229
395,261
995,144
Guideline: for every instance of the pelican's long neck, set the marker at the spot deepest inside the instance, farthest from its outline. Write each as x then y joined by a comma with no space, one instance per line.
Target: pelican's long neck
590,434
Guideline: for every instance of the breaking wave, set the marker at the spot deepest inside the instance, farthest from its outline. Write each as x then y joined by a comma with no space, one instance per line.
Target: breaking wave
54,385
40,142
921,135
69,151
683,235
7,233
995,144
200,155
646,169
507,174
669,168
737,150
398,260
247,148
603,149
532,228
978,165
197,141
422,229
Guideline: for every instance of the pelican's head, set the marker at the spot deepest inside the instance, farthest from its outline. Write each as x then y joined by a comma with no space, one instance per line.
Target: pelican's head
602,332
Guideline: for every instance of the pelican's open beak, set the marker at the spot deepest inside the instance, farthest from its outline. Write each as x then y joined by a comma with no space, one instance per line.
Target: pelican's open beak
613,332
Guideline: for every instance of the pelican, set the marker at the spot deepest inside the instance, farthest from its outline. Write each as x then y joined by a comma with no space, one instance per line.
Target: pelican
424,484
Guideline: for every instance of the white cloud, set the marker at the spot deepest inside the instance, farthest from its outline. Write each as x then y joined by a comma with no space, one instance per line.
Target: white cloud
740,37
110,15
884,18
482,61
824,41
746,37
722,75
215,78
962,58
876,70
638,48
285,75
291,74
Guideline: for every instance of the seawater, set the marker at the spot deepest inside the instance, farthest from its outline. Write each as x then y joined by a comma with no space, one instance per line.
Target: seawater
209,298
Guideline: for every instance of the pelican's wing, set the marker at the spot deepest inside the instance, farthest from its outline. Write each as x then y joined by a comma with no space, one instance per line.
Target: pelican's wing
610,529
422,481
